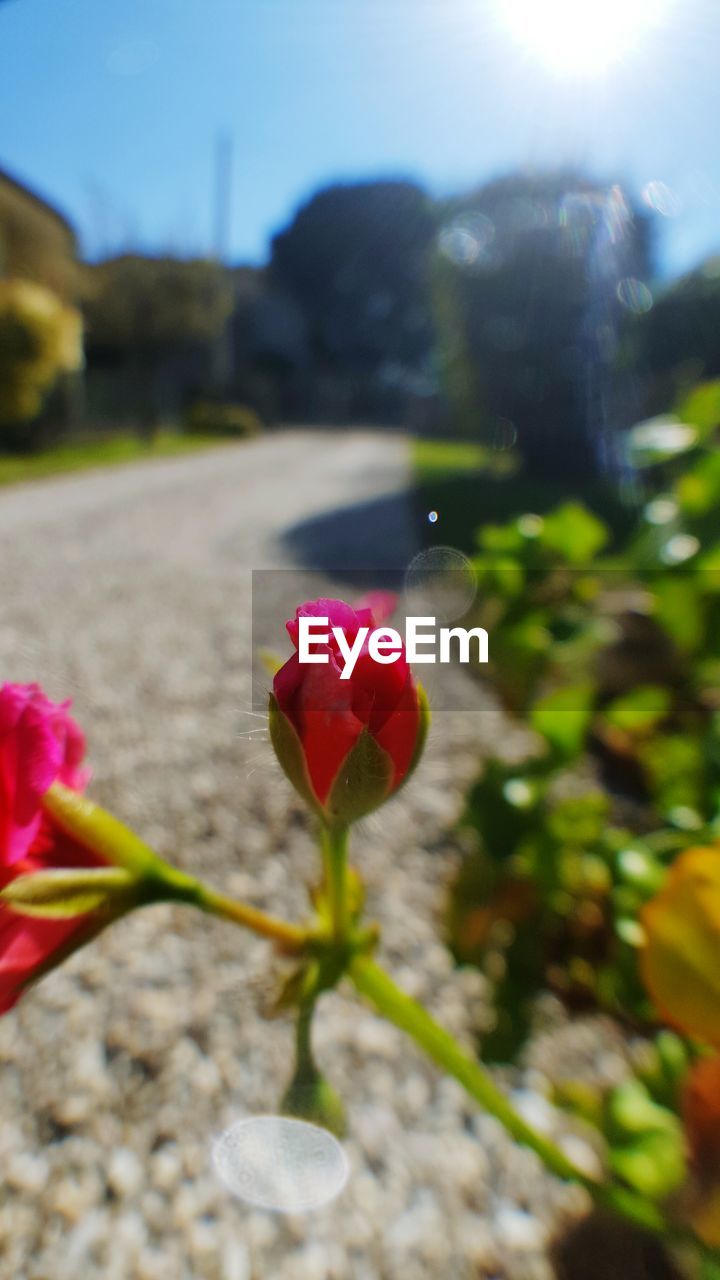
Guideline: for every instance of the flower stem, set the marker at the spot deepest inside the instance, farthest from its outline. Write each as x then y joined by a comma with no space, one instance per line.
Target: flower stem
291,937
373,983
335,859
304,1061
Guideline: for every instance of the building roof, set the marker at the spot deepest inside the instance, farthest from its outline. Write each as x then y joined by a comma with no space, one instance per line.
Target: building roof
40,203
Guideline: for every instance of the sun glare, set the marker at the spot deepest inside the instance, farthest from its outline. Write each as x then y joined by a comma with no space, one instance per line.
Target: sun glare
581,37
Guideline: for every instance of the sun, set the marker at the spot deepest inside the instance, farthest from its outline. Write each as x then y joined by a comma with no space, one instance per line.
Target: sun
581,37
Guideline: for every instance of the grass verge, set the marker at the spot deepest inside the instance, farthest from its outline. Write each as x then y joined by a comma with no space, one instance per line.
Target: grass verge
459,486
108,452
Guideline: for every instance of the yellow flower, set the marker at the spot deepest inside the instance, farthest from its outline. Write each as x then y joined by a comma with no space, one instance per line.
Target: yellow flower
680,962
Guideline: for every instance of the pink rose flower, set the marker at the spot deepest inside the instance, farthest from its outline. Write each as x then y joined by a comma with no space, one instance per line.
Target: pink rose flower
39,744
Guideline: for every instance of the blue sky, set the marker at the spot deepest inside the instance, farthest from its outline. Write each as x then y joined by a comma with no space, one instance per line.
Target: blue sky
113,109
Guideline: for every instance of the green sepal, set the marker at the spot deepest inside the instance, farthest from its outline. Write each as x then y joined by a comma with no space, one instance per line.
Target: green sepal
422,732
63,893
362,782
271,661
355,890
299,986
310,1097
288,749
99,831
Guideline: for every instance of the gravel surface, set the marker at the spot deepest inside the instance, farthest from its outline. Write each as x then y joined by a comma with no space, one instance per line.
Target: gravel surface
129,590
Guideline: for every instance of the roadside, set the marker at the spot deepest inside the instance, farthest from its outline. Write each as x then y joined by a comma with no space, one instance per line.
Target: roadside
100,452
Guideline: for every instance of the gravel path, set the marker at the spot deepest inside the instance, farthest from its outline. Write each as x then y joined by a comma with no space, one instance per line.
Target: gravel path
129,590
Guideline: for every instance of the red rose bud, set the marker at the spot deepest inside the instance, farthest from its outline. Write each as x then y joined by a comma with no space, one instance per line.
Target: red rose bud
345,744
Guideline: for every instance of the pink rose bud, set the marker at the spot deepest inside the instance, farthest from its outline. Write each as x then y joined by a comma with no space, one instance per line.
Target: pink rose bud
345,744
39,744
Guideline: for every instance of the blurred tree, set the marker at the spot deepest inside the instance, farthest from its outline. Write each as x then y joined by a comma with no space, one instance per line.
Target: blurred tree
528,291
678,341
356,258
40,339
151,314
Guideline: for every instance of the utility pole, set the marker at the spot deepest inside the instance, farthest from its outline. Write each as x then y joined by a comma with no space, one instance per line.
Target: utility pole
223,194
221,364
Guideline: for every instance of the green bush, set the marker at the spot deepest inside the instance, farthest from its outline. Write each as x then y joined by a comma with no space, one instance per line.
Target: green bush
206,418
609,655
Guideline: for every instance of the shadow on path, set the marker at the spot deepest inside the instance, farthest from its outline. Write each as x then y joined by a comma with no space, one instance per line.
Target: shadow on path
360,541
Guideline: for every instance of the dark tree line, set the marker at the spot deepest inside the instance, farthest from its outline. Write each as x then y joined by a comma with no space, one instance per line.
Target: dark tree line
519,312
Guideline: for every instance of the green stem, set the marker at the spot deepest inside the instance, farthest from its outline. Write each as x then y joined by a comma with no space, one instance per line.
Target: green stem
373,983
335,859
291,937
304,1061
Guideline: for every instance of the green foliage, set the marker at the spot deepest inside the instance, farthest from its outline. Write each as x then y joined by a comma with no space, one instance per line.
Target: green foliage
612,661
701,406
562,718
645,1141
146,305
574,533
356,259
682,332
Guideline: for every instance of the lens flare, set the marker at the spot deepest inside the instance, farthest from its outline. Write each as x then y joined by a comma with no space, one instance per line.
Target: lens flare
578,37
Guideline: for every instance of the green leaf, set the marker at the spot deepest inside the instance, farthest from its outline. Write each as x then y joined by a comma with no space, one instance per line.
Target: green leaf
574,532
631,1113
579,820
289,751
64,893
501,538
563,718
678,607
654,1165
709,1268
674,766
701,406
504,806
362,783
698,489
647,1143
640,710
515,994
662,1068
